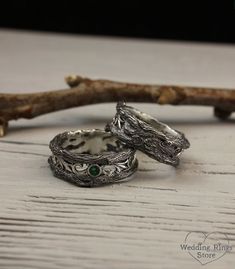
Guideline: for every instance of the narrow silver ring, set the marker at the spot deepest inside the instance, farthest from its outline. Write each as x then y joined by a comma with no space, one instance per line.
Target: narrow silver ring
145,133
91,158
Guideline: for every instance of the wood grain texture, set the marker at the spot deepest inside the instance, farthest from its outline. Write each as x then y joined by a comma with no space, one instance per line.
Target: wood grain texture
48,223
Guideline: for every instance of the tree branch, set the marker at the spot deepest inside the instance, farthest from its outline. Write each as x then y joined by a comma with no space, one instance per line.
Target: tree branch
85,91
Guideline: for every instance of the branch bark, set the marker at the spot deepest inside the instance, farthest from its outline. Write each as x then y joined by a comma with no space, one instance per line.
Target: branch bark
85,91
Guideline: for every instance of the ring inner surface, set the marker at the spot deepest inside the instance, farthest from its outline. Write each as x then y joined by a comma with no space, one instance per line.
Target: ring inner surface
91,142
157,125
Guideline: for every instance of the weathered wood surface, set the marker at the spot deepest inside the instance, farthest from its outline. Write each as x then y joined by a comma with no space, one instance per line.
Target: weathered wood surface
48,223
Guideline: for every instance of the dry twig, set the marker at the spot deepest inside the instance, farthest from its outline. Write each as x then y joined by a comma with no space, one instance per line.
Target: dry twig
85,91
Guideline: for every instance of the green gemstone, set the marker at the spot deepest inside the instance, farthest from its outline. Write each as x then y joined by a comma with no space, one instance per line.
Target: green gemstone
94,170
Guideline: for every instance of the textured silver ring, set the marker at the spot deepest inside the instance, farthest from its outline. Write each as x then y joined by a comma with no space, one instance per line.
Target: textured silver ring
145,133
91,158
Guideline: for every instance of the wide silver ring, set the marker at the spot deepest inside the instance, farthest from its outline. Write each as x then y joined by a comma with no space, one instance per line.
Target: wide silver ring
91,158
145,133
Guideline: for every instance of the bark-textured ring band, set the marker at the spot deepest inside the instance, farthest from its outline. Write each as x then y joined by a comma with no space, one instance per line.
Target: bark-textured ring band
91,158
145,133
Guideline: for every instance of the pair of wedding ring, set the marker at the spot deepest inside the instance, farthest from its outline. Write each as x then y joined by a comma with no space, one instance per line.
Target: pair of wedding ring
95,157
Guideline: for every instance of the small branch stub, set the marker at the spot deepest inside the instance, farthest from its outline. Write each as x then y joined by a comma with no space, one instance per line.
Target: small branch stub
3,127
222,113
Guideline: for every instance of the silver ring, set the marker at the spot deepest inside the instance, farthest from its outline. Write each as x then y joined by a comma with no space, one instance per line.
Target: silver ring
91,158
145,133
